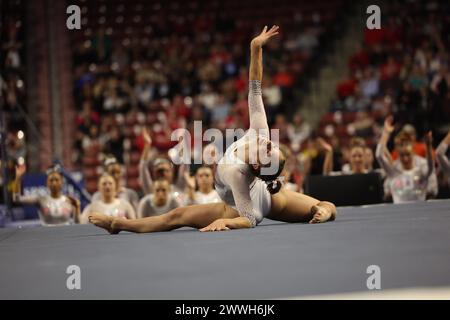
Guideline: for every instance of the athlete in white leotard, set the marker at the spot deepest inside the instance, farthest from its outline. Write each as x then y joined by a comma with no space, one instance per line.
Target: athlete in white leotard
108,202
246,179
410,182
55,208
114,168
204,182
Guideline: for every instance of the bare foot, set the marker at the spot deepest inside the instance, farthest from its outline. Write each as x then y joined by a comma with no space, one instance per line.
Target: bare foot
103,221
321,214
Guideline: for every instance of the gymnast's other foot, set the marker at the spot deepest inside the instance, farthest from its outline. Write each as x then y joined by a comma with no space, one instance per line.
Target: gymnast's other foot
321,214
103,221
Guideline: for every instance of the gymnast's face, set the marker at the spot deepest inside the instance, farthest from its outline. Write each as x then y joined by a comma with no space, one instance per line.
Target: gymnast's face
405,154
368,158
161,192
164,171
268,152
115,170
357,160
204,177
107,187
54,182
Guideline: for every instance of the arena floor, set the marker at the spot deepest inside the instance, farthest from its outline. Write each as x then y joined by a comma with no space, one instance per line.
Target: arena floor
410,243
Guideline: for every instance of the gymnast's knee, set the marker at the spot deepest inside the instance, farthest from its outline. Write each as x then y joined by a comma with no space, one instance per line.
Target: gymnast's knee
330,206
175,217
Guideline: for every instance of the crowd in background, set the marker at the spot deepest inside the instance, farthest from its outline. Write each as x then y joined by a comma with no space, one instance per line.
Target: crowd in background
132,94
12,91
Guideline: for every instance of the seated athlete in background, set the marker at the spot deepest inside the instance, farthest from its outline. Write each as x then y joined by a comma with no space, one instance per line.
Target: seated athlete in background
115,170
248,188
407,181
54,208
200,187
161,168
160,201
108,203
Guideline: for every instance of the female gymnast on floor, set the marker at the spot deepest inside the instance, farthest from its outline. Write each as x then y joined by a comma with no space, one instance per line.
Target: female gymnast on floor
249,193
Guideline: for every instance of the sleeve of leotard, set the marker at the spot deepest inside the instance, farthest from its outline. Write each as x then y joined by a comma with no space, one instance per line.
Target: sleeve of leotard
444,162
239,183
385,163
144,177
258,118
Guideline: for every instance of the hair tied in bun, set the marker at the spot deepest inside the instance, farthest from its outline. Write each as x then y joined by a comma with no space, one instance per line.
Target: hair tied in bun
274,186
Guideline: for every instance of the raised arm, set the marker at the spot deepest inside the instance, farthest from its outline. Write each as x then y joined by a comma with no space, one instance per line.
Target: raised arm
145,178
328,162
17,187
441,154
258,118
382,151
430,162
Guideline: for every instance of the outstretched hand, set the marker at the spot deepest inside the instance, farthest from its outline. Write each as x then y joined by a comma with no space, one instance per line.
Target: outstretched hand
429,138
389,124
190,180
324,145
265,35
146,136
20,170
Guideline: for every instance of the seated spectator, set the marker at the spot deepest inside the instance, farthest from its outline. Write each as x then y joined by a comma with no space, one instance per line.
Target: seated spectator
55,208
346,87
161,168
370,84
298,131
358,160
200,188
364,124
160,201
407,181
114,144
115,170
108,201
287,176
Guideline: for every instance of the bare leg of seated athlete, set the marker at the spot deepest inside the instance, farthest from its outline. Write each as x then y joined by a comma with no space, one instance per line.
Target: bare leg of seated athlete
195,216
287,206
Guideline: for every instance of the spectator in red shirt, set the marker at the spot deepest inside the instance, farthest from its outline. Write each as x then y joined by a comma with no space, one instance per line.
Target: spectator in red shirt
283,78
346,87
390,69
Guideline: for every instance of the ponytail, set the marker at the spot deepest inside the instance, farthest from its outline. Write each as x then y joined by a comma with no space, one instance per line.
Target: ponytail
274,186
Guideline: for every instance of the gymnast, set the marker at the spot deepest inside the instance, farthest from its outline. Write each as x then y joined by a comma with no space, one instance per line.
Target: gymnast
108,202
55,208
115,170
245,181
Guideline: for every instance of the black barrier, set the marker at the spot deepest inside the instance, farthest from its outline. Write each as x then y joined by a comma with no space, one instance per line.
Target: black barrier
346,190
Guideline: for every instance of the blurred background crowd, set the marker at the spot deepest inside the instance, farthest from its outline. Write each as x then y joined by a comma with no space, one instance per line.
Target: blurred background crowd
137,71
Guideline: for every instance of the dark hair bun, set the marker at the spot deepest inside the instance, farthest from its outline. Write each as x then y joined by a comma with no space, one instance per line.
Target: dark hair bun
274,186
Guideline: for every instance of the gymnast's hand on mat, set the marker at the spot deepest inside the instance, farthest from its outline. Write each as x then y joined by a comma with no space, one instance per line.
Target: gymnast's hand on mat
265,35
218,225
